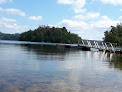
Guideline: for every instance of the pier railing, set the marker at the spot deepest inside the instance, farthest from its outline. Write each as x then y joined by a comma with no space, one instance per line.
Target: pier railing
88,45
99,45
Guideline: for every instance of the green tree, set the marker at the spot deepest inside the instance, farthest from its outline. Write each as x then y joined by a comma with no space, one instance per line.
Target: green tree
4,36
53,35
114,35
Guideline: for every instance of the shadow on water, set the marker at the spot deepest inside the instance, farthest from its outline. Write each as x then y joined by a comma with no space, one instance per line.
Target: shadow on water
47,52
115,61
45,49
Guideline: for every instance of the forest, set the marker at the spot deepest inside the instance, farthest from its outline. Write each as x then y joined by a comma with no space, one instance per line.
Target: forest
114,35
4,36
50,34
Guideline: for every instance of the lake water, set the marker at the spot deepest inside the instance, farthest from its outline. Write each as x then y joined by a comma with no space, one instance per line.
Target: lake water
33,67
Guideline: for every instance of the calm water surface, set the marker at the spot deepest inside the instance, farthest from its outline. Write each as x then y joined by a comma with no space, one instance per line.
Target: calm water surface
26,67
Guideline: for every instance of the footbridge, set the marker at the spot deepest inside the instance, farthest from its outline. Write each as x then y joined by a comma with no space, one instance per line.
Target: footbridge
100,46
89,45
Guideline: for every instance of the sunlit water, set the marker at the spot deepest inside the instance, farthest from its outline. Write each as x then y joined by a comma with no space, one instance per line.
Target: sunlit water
26,67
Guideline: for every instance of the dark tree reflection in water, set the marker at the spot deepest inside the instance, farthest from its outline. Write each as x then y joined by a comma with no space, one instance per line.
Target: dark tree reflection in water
116,61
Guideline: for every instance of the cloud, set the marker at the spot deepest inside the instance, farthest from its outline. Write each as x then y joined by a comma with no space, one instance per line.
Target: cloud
73,24
89,25
93,30
35,18
104,23
13,11
120,17
65,1
120,9
5,1
8,25
6,20
77,5
89,15
114,2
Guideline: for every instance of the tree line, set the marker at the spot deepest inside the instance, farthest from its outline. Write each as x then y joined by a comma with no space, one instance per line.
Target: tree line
61,35
52,35
114,35
4,36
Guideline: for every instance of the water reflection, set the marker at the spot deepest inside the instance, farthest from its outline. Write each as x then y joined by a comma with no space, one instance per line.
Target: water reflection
115,61
46,52
43,68
44,49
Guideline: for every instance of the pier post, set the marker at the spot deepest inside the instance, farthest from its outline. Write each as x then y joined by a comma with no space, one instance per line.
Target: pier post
106,46
113,49
83,43
90,44
103,45
97,45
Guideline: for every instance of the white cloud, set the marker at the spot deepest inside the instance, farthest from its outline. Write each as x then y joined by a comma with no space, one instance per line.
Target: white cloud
65,1
72,24
79,17
104,23
92,15
114,2
77,5
9,26
120,9
13,11
120,17
35,17
89,15
3,19
5,1
93,30
12,28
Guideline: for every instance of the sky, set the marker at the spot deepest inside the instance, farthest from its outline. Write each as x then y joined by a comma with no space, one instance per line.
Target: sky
87,18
